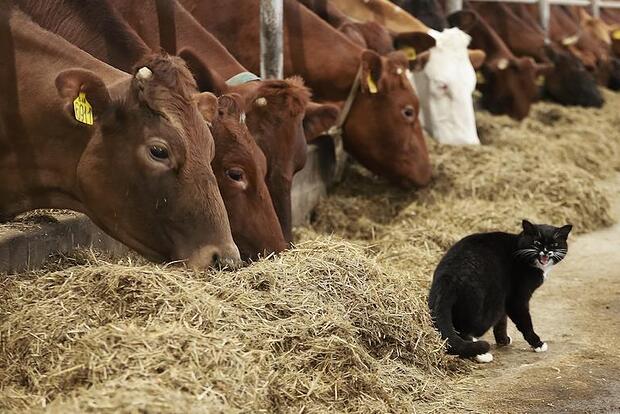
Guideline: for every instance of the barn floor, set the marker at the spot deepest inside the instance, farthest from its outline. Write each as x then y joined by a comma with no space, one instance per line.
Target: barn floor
577,313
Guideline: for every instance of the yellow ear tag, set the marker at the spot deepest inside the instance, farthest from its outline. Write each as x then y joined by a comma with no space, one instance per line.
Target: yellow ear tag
410,53
83,110
616,34
372,86
540,80
479,77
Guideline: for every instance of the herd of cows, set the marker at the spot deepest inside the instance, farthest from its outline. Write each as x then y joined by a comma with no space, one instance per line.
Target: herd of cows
146,115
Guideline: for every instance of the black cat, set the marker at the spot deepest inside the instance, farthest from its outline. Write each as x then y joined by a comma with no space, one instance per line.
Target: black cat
486,277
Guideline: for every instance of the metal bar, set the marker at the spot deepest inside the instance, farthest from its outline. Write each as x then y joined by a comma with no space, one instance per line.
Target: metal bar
609,4
612,4
596,8
544,13
585,3
454,6
271,50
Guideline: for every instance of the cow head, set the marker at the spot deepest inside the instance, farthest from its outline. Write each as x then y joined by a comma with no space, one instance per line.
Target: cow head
445,79
275,114
570,83
510,85
382,130
145,175
240,168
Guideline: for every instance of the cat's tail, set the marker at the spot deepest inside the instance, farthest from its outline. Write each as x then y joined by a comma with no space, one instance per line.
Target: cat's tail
441,311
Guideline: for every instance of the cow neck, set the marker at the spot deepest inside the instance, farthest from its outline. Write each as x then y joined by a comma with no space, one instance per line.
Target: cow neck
95,28
485,38
157,31
43,148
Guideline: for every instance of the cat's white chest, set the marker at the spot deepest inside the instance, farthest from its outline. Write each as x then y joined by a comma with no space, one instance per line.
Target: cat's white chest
546,269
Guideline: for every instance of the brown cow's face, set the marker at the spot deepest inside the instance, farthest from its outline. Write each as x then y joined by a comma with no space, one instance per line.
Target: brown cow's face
240,168
275,112
509,86
382,130
145,175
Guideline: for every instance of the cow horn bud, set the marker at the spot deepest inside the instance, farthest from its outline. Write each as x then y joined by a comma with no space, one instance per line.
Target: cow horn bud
144,73
502,63
261,101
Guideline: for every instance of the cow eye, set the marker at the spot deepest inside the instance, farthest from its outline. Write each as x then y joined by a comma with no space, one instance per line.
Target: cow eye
409,113
159,152
235,174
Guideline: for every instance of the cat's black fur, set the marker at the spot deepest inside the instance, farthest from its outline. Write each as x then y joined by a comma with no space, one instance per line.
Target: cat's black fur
486,277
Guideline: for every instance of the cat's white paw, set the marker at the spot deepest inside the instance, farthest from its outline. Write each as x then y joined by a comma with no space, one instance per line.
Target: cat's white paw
474,339
484,358
542,348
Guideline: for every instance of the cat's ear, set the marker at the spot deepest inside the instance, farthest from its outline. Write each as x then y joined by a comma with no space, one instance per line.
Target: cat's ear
529,228
562,232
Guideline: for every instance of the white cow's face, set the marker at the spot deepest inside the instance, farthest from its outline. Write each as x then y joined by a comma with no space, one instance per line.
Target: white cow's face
445,88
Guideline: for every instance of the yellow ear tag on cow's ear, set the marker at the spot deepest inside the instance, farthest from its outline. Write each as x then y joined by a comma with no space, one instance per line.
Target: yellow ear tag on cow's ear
540,80
479,77
82,109
372,86
410,53
616,34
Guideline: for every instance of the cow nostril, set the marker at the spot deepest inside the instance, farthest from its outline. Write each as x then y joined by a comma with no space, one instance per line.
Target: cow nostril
215,258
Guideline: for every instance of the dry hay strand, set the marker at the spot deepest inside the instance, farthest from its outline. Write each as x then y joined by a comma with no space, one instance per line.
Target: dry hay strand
321,328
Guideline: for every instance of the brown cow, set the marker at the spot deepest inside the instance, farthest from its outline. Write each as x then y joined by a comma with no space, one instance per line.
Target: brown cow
81,26
240,174
382,129
509,85
139,167
275,108
568,82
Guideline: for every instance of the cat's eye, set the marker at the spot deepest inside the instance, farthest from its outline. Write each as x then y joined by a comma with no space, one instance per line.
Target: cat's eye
537,243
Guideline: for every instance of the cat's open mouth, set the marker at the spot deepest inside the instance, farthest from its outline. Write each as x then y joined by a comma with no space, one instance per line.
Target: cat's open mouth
543,260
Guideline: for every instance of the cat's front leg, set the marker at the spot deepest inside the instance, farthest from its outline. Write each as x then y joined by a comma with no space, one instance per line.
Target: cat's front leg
500,332
520,315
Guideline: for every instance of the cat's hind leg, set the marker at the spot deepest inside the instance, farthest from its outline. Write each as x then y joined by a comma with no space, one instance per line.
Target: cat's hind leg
500,332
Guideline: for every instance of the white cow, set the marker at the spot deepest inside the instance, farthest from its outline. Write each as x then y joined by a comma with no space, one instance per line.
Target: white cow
445,86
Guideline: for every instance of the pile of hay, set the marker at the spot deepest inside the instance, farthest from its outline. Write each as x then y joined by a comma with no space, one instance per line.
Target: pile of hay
323,328
339,324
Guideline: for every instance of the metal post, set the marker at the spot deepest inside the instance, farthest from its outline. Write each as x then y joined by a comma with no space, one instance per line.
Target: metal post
454,6
271,54
543,9
596,9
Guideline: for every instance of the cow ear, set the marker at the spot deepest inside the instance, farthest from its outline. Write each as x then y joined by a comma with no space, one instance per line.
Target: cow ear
73,82
207,106
477,57
230,105
318,119
420,61
206,79
562,232
372,70
529,228
413,43
463,19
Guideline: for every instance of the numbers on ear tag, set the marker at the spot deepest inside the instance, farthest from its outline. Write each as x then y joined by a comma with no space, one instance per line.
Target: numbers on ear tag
372,86
82,109
479,77
540,80
410,53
